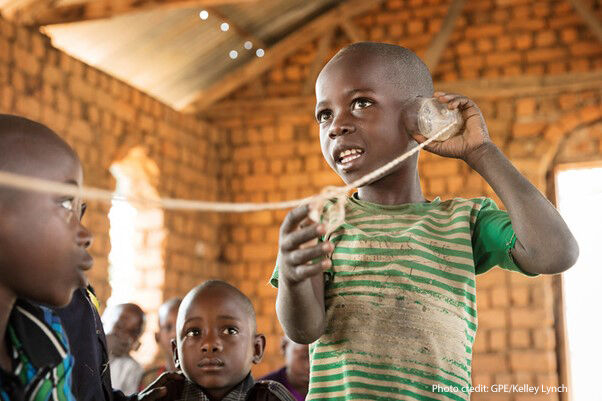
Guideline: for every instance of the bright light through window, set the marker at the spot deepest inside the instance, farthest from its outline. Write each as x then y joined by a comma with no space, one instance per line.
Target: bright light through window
579,194
122,258
136,271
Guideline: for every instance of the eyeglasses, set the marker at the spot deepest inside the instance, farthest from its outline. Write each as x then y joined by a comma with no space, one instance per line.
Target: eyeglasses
75,206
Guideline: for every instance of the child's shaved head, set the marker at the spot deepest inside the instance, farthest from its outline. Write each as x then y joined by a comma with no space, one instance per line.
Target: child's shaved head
22,140
402,66
226,288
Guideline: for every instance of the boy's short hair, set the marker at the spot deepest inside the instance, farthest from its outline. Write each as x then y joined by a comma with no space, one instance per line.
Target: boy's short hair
17,138
209,284
111,314
18,132
398,60
166,307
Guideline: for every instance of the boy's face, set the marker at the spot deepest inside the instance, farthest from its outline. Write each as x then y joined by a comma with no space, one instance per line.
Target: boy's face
126,324
359,112
43,244
296,357
216,342
167,329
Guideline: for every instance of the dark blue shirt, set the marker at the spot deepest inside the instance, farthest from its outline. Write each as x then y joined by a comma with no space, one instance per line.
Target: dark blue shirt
91,375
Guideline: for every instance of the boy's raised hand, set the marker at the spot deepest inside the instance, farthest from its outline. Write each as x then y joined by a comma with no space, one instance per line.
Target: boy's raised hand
294,259
474,132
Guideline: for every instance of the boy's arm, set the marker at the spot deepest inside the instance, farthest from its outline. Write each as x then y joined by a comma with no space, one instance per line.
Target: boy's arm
300,300
544,243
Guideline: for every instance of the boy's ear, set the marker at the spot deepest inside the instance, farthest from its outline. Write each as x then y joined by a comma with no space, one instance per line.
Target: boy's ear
258,348
174,351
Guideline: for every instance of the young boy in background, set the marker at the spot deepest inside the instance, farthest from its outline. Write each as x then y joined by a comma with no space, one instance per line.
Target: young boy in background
123,325
294,375
43,258
389,299
168,314
216,345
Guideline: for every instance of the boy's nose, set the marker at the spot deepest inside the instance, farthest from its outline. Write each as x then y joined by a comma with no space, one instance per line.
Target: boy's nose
84,237
337,129
211,344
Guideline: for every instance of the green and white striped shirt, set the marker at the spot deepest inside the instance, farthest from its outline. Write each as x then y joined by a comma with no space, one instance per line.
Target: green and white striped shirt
401,299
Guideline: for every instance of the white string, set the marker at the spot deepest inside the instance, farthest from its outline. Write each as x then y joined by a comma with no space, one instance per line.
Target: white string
90,193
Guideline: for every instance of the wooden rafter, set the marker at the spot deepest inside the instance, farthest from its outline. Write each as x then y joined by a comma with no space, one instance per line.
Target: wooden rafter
435,50
352,31
85,11
240,31
589,17
277,53
316,65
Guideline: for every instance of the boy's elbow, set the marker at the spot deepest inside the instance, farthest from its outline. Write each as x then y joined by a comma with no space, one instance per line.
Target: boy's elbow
301,334
562,260
567,259
301,337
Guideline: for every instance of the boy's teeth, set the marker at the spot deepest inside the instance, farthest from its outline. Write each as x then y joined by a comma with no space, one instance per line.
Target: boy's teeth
349,152
349,158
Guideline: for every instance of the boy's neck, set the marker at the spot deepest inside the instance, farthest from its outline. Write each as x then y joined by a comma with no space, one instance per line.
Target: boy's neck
397,188
7,301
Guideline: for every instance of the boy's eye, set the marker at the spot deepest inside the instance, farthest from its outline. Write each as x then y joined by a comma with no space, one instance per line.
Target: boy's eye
323,116
361,103
67,204
192,332
230,331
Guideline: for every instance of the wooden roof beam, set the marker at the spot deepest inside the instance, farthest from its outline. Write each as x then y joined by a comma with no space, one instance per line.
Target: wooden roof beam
439,42
277,53
589,17
99,9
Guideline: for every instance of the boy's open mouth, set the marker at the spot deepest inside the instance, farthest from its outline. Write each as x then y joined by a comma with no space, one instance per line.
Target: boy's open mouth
345,157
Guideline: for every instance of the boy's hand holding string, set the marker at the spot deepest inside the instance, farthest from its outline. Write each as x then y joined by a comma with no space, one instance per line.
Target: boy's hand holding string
530,212
301,276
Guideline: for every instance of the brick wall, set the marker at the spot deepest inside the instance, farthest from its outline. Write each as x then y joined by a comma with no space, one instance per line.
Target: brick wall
499,54
103,119
267,150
